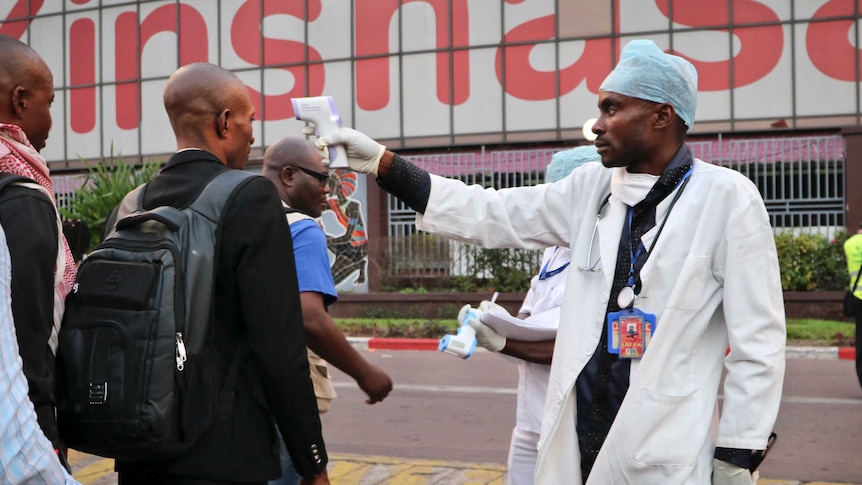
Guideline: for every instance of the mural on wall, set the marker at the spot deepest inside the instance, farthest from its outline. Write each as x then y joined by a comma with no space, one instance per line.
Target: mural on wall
346,233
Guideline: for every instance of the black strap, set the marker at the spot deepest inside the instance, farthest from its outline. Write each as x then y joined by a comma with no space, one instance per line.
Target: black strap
856,283
8,178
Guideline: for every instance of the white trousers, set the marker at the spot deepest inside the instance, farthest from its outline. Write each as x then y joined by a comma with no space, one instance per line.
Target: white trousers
522,457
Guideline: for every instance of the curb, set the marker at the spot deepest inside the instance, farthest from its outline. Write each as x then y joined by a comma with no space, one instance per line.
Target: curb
379,343
821,353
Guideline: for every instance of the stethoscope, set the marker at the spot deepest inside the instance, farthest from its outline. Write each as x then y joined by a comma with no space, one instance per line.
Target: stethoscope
593,268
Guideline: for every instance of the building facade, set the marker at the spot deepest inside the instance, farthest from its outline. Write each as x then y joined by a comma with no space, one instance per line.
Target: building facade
445,76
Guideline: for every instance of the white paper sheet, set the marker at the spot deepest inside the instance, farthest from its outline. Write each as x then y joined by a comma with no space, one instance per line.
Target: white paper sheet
542,326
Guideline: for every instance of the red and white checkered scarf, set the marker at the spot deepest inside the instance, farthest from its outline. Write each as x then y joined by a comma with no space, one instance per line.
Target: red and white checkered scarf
17,156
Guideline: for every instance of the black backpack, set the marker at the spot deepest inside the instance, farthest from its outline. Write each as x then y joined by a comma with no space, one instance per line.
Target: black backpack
137,379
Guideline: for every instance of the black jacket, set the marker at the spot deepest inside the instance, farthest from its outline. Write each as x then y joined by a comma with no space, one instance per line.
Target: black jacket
256,295
29,219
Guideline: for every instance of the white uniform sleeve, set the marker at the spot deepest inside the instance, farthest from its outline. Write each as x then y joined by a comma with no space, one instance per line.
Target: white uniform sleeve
533,217
753,308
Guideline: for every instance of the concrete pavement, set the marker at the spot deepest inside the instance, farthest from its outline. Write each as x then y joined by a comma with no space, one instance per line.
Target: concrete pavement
372,470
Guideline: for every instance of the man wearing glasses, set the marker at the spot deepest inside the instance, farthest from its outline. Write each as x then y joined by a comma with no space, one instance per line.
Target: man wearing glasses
685,267
296,168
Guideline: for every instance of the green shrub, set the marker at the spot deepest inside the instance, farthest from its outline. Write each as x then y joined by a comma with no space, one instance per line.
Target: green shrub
425,329
397,328
794,261
410,291
510,269
810,262
103,189
463,284
831,271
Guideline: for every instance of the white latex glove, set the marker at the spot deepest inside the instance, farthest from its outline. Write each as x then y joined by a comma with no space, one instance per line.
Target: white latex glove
487,337
463,313
487,306
310,131
363,153
724,473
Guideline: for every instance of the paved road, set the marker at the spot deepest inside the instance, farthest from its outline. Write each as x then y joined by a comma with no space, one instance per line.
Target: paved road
448,422
446,409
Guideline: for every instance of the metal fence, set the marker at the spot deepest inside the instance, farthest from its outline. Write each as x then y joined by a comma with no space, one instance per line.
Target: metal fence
418,254
801,180
65,187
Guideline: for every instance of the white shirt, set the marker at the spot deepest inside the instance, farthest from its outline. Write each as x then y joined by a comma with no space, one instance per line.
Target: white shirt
545,295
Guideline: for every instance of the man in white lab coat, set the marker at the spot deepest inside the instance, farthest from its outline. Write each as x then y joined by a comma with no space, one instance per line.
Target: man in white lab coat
676,263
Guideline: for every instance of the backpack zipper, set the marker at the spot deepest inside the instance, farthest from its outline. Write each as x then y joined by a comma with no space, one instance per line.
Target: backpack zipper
181,352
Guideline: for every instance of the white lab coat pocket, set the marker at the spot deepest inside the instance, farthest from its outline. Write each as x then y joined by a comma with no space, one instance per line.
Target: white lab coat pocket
664,430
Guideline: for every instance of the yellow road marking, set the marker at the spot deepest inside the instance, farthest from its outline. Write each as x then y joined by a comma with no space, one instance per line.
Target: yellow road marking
90,469
345,469
347,473
485,477
96,471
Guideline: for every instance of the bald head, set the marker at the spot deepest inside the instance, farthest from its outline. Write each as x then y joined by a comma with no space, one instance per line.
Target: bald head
294,151
26,90
291,164
210,108
19,64
198,92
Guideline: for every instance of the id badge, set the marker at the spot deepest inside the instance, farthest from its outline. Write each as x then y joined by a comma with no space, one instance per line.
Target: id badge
629,332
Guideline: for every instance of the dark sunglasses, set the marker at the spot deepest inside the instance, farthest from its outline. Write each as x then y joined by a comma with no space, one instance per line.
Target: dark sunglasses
323,178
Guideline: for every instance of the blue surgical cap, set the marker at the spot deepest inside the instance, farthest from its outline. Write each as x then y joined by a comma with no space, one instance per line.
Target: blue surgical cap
562,163
645,72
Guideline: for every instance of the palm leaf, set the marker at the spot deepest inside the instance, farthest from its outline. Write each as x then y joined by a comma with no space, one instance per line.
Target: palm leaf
103,189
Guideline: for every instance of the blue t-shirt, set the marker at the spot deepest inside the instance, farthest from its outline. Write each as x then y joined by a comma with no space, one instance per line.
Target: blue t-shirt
312,260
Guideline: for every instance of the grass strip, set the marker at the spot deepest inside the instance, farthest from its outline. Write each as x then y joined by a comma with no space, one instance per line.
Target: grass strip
811,331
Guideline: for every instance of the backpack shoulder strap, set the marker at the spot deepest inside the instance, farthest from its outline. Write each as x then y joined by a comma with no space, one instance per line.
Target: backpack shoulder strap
215,195
132,203
10,178
210,204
